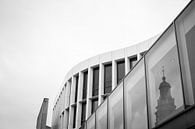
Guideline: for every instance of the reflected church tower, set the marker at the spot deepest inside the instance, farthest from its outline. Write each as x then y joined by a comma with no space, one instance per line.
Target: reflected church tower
166,104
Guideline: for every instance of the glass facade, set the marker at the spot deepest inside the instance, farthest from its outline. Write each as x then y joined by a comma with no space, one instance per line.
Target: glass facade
164,79
83,113
74,116
132,61
95,81
85,77
120,70
107,78
91,122
115,108
101,116
185,26
135,98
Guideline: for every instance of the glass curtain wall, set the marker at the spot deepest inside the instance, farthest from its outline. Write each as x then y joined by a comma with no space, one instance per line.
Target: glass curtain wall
185,26
163,79
115,108
135,98
101,116
91,122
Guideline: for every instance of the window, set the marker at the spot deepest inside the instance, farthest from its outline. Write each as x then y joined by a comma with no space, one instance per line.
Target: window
107,78
185,26
74,117
94,105
115,108
120,70
95,81
164,79
76,88
83,113
133,61
85,77
135,98
101,116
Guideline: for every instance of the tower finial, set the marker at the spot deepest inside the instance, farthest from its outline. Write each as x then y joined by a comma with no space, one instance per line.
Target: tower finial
163,71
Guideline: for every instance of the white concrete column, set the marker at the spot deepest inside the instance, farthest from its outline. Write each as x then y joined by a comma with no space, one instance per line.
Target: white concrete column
71,113
114,74
127,65
101,83
79,98
73,88
89,92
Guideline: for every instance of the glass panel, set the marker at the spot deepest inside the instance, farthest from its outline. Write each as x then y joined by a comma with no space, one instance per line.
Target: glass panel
85,76
120,70
115,110
94,105
107,78
135,98
133,61
91,122
185,26
95,81
74,117
164,79
101,116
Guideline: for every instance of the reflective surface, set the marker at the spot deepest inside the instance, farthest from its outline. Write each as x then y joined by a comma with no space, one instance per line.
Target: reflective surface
101,116
164,79
115,111
135,98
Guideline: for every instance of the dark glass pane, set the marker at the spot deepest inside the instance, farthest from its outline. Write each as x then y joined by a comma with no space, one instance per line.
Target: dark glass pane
120,70
107,78
85,77
74,117
94,105
164,79
135,98
76,87
83,113
95,81
133,61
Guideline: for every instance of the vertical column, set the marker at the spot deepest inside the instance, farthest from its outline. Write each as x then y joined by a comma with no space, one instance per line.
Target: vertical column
89,92
138,56
114,74
101,83
127,65
73,87
79,97
71,108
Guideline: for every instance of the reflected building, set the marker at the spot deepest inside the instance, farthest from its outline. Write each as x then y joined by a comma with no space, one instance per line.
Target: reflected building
166,104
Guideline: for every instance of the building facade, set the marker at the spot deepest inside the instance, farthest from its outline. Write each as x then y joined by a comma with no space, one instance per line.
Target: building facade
145,86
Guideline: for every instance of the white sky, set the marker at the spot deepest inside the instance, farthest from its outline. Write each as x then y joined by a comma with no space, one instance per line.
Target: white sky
41,40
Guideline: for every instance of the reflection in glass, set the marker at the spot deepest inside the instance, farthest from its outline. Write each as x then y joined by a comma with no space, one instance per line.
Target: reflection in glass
133,61
164,79
116,108
135,98
94,105
120,70
101,116
185,26
107,78
91,122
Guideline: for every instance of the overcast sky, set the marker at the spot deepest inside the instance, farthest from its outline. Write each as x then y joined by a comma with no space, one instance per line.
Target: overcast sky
41,40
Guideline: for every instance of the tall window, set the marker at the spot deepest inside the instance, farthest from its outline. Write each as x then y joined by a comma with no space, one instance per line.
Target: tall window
94,105
76,88
120,70
83,113
74,117
95,81
133,61
85,77
107,78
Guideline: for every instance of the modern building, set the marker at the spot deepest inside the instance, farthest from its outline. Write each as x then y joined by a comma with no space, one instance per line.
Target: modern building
42,117
150,85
